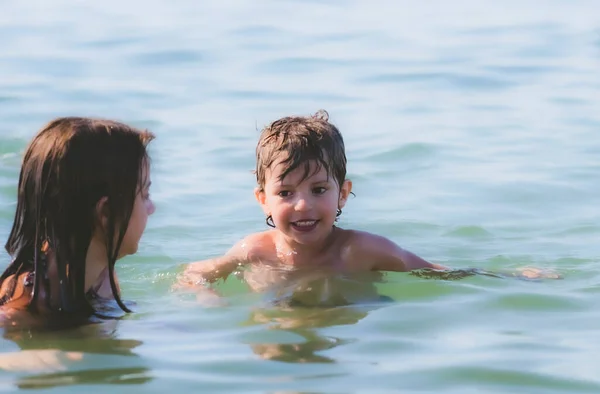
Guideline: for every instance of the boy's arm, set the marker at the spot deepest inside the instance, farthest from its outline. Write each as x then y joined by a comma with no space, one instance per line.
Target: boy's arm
211,270
385,255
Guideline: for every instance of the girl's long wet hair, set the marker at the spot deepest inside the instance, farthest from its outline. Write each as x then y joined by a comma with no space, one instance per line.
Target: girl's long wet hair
68,167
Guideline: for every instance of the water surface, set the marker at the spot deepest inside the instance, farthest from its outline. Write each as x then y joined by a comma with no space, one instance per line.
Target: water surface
472,137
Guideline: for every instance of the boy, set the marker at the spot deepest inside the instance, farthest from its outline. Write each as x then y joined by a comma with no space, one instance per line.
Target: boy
302,188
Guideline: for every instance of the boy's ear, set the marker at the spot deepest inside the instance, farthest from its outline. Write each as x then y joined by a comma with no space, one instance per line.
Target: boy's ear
102,213
260,196
345,191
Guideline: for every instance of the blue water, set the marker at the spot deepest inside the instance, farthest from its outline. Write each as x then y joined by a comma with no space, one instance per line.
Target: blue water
472,138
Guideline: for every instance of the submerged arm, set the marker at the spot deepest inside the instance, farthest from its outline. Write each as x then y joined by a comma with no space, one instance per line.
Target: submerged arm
525,273
385,255
198,275
209,271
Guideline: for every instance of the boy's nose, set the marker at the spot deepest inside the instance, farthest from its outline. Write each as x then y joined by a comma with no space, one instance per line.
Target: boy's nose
302,203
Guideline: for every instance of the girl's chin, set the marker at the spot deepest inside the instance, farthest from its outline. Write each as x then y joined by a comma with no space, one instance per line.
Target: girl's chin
127,252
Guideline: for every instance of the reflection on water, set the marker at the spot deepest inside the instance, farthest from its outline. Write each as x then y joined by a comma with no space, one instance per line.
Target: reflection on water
90,354
22,320
305,352
120,375
305,325
303,300
312,286
99,338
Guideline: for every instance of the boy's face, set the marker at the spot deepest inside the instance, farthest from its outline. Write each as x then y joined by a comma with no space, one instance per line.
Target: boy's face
303,210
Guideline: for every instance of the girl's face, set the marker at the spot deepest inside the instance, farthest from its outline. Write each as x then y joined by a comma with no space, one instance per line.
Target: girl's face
142,208
303,210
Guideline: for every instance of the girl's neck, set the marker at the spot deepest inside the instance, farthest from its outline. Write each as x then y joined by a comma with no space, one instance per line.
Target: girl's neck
96,264
95,271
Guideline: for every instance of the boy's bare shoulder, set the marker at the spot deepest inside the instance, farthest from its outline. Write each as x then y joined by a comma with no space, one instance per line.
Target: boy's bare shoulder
256,245
361,240
261,236
362,245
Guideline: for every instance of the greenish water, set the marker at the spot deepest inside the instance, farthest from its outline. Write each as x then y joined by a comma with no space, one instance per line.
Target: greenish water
472,137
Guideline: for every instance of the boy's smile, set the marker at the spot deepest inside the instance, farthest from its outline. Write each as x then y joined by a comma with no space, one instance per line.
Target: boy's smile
305,225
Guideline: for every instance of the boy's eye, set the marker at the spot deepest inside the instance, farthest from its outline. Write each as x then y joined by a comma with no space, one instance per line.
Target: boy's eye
284,193
319,190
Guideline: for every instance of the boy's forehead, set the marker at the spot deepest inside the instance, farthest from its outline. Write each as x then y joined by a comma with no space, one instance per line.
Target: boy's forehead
278,168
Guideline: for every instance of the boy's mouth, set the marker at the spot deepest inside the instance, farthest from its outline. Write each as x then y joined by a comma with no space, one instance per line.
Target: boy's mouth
304,225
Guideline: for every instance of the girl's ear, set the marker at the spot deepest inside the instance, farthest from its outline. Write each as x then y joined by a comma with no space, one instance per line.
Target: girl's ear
260,196
345,191
102,213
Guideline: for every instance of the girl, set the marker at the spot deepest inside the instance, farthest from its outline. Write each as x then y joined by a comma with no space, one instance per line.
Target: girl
82,204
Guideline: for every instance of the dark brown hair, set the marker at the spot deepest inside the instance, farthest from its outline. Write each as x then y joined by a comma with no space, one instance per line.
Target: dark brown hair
68,167
298,140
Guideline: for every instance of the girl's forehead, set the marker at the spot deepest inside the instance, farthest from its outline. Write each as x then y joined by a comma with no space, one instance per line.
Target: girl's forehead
145,173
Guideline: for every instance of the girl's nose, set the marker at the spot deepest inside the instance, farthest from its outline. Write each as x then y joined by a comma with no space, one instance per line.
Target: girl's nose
151,207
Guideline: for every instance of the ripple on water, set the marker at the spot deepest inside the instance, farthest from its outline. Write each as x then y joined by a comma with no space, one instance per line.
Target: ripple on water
442,80
469,232
164,57
538,302
492,378
410,151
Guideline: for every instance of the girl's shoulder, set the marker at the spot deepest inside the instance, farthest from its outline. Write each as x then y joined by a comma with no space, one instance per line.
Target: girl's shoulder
15,291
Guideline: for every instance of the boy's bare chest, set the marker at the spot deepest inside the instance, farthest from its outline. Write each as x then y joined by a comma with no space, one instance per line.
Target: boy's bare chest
328,279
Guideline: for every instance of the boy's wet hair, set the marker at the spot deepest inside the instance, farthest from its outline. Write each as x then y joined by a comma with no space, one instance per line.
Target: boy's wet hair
68,167
298,140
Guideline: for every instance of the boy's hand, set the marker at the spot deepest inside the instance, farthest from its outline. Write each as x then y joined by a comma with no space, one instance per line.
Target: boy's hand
205,295
209,298
537,273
